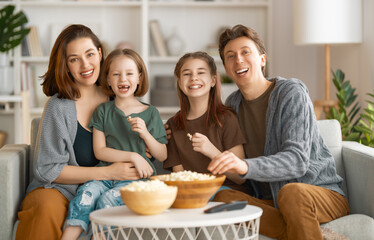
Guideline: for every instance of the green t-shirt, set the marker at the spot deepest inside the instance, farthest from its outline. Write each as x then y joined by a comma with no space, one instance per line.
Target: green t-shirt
110,120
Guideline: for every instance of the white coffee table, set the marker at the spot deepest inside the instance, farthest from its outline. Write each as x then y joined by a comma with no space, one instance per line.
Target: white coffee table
122,223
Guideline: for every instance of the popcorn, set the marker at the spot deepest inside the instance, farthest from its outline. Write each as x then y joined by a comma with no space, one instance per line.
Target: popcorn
128,118
188,176
189,136
146,186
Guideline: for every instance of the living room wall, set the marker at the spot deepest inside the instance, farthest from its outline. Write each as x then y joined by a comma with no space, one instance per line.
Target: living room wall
307,62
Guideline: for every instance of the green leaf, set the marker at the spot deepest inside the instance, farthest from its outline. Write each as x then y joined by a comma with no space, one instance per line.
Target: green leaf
364,129
368,118
11,31
352,137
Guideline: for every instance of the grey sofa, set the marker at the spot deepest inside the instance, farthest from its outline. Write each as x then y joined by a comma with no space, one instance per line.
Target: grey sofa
354,162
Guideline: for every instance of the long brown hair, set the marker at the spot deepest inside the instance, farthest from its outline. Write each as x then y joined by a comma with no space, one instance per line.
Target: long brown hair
143,81
237,32
215,105
57,78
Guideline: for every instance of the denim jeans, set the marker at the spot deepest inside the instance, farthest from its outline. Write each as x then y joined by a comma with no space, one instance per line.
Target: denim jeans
91,196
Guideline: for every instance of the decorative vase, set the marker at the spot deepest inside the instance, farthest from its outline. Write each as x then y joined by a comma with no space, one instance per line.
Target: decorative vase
175,44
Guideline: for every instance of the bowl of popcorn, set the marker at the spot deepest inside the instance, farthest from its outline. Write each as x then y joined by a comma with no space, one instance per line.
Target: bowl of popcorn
194,189
148,197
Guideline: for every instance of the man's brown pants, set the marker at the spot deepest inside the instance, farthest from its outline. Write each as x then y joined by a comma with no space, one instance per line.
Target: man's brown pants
302,208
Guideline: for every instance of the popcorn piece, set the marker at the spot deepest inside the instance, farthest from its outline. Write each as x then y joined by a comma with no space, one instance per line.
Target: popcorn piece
189,136
146,186
128,118
188,176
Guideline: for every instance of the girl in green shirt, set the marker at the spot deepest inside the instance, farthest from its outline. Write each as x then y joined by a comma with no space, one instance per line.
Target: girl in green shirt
122,129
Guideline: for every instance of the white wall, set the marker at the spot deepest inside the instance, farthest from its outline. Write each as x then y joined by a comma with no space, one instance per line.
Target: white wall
307,62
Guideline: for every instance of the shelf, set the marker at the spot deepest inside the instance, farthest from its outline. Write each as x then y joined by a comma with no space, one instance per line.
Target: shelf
173,59
81,3
224,4
169,59
36,111
10,98
167,110
44,59
198,23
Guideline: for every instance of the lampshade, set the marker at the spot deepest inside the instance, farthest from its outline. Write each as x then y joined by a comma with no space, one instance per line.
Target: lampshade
327,21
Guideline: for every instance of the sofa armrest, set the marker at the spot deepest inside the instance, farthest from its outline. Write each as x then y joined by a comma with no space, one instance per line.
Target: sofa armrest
14,178
359,168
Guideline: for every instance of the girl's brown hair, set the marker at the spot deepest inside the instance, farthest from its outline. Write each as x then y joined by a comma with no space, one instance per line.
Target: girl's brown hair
215,105
237,32
57,79
143,81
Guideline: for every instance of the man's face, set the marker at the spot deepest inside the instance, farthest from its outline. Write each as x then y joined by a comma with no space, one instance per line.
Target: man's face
243,62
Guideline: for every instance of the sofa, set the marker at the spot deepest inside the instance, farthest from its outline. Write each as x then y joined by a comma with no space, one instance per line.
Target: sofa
354,162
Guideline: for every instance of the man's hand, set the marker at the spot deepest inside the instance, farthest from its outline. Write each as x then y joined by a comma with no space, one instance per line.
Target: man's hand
227,162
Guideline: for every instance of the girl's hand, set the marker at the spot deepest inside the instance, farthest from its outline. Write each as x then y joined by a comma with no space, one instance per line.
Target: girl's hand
201,143
227,162
122,171
138,125
142,166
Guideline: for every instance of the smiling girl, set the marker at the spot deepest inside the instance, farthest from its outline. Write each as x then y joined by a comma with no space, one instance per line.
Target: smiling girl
122,129
204,127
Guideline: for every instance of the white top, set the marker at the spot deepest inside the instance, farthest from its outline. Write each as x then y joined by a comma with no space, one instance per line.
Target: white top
174,217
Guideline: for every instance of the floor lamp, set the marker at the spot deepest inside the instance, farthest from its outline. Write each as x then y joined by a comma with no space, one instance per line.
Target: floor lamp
326,22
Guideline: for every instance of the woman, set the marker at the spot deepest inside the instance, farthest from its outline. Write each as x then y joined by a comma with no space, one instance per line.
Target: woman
64,155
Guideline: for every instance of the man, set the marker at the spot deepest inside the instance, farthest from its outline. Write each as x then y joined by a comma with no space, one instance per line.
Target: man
291,170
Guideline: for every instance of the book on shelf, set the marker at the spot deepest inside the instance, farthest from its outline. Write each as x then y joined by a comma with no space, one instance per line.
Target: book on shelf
158,38
33,43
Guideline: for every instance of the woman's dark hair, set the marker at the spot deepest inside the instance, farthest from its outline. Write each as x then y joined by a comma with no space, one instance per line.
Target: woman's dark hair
57,78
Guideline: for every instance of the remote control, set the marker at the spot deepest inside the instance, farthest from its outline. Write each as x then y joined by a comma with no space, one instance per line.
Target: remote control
234,205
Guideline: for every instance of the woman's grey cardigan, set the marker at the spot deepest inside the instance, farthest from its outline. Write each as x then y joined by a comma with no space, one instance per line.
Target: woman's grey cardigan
294,149
54,145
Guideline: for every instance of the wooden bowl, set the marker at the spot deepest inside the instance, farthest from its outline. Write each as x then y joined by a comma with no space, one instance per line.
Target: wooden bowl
193,194
149,202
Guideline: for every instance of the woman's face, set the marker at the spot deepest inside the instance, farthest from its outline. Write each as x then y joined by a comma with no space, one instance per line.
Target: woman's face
83,60
195,78
243,62
123,76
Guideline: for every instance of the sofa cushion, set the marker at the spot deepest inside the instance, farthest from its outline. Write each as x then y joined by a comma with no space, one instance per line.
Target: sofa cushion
354,226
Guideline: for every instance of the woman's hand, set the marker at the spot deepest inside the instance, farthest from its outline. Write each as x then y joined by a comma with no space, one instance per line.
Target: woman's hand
168,131
227,162
138,125
122,171
201,144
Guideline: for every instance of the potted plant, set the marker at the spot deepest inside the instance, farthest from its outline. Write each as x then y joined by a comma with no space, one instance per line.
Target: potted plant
11,35
347,112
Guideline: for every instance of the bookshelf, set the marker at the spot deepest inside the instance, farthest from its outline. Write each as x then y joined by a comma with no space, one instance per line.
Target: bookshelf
114,21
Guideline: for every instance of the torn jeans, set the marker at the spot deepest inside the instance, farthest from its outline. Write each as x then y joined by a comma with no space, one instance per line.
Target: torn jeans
91,196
